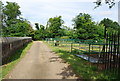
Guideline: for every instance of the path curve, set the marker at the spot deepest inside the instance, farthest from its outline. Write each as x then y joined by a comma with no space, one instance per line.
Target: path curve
41,63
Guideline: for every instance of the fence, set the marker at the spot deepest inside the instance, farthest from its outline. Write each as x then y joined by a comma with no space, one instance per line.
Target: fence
105,53
111,53
11,44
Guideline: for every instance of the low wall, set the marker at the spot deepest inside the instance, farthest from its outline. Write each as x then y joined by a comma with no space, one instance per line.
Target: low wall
10,45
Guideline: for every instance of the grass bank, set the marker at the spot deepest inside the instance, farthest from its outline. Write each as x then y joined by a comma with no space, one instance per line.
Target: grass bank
14,59
81,67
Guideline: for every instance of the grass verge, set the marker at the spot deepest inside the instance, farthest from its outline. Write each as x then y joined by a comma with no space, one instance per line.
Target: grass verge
81,67
15,58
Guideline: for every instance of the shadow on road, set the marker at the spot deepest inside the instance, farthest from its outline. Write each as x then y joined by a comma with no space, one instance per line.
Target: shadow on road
67,73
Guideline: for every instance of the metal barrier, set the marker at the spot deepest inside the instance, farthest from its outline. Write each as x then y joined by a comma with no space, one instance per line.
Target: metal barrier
10,45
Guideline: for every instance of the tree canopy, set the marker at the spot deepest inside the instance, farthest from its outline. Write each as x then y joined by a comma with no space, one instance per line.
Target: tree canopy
85,28
11,10
54,26
13,24
111,26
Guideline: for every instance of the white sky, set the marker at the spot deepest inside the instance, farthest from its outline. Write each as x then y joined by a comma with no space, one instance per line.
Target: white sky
41,10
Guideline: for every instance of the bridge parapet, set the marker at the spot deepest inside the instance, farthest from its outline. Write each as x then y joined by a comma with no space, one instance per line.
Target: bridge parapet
10,44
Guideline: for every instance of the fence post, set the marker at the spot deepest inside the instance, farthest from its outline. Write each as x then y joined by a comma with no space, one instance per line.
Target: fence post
71,47
79,47
89,52
89,48
118,55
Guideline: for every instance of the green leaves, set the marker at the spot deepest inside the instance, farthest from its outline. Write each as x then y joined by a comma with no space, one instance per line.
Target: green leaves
40,33
110,25
54,27
14,25
11,10
83,25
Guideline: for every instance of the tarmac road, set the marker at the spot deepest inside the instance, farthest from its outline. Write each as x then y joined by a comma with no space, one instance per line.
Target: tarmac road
41,63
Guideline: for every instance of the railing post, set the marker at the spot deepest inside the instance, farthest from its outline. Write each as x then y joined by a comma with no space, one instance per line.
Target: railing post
71,47
89,52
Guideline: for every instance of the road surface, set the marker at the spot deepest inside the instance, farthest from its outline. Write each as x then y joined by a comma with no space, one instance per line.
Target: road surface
41,63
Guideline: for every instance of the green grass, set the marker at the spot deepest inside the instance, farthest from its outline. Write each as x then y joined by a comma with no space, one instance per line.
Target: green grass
14,59
81,67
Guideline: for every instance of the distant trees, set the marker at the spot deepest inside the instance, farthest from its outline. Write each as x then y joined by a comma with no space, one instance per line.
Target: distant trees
110,25
85,28
37,26
40,33
1,7
54,27
11,10
13,24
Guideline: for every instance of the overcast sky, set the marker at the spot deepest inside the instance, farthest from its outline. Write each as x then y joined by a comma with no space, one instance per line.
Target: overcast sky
41,10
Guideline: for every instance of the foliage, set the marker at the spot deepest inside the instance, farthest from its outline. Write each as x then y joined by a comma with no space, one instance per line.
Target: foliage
40,33
37,26
11,10
54,27
1,6
110,25
68,32
13,24
85,28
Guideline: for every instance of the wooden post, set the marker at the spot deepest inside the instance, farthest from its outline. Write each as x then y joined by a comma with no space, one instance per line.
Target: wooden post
118,51
89,52
79,46
71,47
89,48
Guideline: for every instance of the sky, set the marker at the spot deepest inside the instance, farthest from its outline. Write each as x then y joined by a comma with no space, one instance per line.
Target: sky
39,11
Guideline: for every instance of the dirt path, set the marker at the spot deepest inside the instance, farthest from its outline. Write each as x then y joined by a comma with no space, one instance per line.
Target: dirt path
41,63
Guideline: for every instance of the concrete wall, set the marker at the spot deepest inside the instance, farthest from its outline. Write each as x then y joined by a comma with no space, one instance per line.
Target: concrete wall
11,44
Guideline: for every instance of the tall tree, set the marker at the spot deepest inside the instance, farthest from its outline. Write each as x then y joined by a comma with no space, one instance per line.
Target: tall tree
11,10
40,33
1,19
14,25
54,27
37,26
110,25
84,27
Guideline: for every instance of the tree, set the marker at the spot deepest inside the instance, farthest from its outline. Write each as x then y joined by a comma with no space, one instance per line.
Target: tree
11,10
110,25
37,26
83,25
14,25
41,33
20,29
54,27
1,19
110,3
85,28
